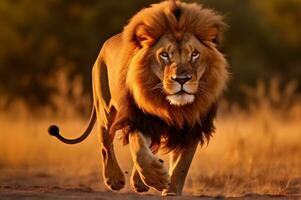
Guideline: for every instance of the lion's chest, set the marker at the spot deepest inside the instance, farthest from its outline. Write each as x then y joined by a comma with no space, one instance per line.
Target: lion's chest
170,136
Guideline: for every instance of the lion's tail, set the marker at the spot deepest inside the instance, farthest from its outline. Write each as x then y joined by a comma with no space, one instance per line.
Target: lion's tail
55,131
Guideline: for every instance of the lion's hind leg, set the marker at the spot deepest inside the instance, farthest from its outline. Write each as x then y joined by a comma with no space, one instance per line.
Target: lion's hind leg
150,168
112,174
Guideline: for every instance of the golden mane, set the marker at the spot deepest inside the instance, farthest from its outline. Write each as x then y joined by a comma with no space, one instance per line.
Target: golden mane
156,21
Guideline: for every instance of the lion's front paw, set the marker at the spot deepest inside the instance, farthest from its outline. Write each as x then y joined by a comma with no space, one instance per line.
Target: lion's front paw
152,171
136,183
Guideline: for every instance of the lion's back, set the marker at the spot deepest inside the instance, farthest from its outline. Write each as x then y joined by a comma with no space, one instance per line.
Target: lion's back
115,55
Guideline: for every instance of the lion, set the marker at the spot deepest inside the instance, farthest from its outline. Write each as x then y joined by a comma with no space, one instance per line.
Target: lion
159,82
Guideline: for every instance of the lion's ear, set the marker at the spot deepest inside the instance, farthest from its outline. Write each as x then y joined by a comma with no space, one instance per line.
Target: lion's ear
215,34
144,36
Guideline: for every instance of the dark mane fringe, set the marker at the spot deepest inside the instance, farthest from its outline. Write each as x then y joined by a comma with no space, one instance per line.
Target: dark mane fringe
168,138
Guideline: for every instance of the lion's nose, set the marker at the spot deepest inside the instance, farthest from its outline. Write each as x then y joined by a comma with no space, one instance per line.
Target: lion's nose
181,79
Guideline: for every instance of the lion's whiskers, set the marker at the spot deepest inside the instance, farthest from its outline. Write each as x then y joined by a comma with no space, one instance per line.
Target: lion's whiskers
158,86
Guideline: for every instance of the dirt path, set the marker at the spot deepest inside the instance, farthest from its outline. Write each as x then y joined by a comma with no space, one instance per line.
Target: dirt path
32,193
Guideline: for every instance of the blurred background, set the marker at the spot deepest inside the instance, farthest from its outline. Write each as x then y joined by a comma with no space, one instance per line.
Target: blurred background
47,50
40,39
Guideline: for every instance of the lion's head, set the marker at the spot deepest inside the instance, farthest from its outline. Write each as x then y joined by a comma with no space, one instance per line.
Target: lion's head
177,71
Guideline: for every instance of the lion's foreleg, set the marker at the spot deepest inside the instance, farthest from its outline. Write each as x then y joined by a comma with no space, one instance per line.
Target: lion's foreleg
136,182
179,165
150,168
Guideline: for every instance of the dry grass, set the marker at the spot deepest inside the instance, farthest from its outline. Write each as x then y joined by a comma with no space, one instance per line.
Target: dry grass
256,151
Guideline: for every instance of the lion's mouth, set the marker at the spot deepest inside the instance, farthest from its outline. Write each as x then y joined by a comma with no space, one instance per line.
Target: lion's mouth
182,92
180,98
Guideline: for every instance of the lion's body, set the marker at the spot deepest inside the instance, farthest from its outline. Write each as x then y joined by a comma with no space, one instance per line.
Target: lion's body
159,82
151,110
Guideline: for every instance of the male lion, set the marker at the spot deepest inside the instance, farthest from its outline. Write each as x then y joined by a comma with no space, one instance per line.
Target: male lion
159,81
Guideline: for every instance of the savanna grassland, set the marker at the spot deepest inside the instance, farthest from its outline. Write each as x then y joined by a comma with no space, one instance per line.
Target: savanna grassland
255,153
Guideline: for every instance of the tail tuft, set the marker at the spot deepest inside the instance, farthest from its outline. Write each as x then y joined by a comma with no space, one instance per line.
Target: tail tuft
53,130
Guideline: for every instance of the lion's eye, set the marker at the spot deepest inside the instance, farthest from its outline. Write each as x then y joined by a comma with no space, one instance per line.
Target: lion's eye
195,55
165,56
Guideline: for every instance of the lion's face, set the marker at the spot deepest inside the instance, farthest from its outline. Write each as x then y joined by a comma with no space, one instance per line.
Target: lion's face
179,65
176,71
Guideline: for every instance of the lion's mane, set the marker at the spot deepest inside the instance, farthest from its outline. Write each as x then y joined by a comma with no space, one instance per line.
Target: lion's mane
145,109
